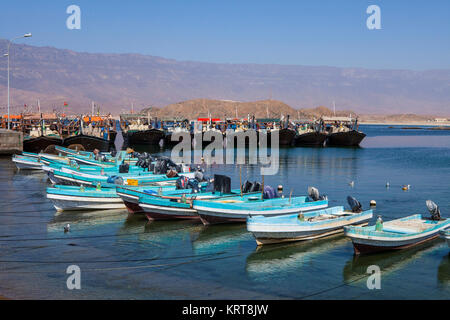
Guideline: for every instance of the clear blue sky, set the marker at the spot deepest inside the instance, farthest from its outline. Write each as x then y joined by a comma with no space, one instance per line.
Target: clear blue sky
415,34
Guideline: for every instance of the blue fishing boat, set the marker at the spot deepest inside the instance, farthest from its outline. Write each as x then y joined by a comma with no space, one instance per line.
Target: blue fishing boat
27,162
238,209
65,198
133,197
305,226
398,234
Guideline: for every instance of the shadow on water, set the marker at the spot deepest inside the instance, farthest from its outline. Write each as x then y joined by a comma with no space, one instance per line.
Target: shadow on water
278,258
389,262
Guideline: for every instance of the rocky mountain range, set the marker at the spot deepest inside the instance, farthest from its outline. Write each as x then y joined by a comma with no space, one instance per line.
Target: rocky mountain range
117,81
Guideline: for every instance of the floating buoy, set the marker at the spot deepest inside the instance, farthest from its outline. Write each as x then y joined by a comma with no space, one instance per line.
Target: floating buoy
373,203
280,188
406,187
66,228
387,185
352,183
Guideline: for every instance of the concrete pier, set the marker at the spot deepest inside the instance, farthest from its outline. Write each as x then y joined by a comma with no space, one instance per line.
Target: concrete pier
10,142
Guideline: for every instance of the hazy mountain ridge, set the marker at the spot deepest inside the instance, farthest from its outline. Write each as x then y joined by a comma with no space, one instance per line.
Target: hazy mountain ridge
116,80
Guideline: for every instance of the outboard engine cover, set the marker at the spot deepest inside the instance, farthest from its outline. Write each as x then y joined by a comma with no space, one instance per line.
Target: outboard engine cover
269,193
256,187
354,204
182,183
313,193
434,210
124,168
199,176
247,186
222,183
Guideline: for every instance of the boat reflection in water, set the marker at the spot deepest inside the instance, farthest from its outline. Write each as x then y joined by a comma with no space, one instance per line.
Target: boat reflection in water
83,220
443,273
169,232
281,258
356,268
219,237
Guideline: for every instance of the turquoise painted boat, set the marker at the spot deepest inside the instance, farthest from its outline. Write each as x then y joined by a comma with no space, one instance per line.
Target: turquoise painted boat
304,226
395,234
26,162
65,198
239,209
167,207
79,178
132,197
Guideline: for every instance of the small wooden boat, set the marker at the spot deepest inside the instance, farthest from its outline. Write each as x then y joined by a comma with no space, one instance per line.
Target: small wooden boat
397,234
446,235
239,209
304,226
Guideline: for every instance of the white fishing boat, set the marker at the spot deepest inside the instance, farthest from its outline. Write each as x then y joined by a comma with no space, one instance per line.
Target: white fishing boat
398,234
306,226
27,163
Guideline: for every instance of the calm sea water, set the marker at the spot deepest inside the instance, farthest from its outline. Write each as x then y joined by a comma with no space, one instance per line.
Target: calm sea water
128,258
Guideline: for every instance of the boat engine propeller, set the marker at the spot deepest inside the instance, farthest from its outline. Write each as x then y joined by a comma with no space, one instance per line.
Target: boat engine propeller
434,210
314,194
354,204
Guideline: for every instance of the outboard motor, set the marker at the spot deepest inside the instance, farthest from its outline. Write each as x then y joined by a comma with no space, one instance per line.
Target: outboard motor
198,175
113,153
269,193
222,183
115,179
246,187
314,194
193,184
256,186
354,204
182,182
124,168
434,210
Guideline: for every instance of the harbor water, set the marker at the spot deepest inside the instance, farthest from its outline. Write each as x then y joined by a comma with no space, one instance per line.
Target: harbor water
127,257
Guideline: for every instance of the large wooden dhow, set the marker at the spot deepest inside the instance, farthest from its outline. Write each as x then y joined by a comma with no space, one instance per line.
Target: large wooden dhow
342,132
141,130
40,132
398,234
309,134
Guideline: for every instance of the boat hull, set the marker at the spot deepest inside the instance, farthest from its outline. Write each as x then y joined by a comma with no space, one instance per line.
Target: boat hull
72,203
364,247
147,137
27,165
310,139
345,139
286,137
156,212
271,238
39,144
217,216
90,143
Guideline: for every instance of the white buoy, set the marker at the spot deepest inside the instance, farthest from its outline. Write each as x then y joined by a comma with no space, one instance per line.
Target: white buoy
373,203
67,228
387,185
352,184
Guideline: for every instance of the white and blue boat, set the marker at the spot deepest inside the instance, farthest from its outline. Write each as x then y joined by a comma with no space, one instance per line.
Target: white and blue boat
305,226
27,162
238,209
399,233
65,198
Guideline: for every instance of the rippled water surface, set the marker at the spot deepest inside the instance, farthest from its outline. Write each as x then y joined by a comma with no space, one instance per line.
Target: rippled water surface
128,258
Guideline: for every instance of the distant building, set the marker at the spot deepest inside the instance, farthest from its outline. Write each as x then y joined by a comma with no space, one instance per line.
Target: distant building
440,119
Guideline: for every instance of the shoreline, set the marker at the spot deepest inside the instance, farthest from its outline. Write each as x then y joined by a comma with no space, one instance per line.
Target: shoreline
413,123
